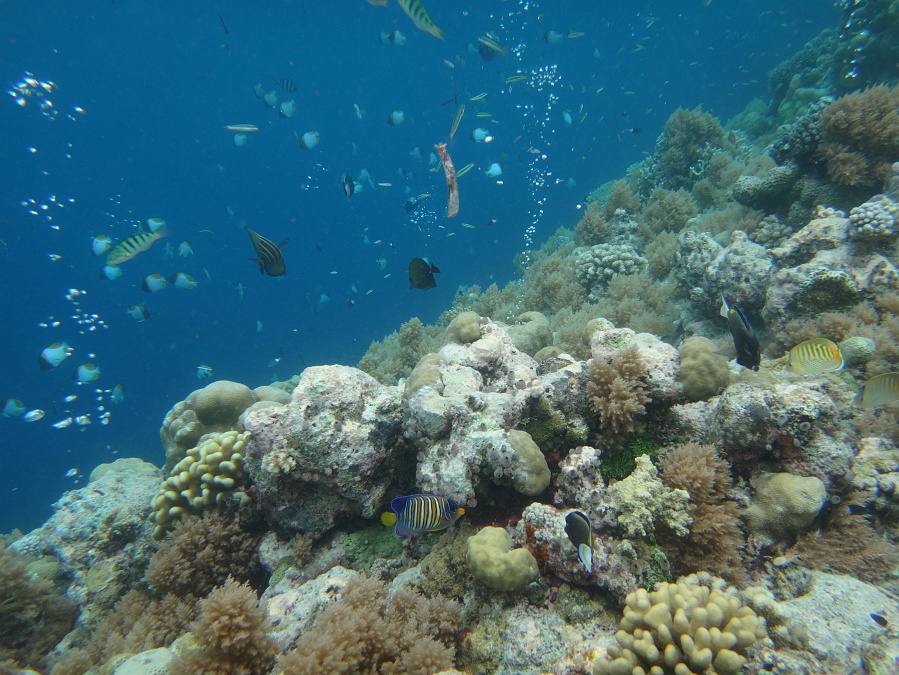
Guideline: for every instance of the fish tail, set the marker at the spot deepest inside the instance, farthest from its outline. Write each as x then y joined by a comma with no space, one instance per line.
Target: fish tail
161,231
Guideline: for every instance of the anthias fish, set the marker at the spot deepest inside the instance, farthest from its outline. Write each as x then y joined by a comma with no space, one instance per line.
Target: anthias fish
136,243
415,514
419,15
269,256
745,341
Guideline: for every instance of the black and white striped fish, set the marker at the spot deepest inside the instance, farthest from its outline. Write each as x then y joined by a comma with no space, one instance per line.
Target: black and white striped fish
415,514
269,255
285,84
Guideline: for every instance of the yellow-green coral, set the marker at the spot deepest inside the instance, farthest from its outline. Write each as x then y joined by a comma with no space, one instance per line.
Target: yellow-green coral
784,503
642,498
210,475
493,563
682,629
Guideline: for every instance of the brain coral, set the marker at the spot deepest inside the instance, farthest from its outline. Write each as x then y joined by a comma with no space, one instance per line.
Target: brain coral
682,629
704,372
214,408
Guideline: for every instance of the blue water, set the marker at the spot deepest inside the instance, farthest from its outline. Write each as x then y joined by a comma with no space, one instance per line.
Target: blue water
157,81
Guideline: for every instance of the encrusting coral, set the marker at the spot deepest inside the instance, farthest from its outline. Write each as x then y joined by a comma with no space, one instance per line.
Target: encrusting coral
784,504
641,502
230,636
369,631
682,629
704,372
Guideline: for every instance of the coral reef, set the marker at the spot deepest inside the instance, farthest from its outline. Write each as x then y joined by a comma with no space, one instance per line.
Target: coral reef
860,136
230,635
200,554
209,477
101,536
641,500
682,628
394,357
369,631
784,504
493,562
33,614
704,372
326,454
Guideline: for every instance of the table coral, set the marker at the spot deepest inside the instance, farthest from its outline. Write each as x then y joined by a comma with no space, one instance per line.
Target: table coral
682,629
642,498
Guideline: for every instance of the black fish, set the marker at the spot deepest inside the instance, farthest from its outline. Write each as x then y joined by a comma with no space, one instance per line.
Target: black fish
286,85
421,274
349,187
270,259
879,620
578,529
745,341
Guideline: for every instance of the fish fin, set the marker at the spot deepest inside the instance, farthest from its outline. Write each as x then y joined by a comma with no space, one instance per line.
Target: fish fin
585,555
397,504
401,530
162,231
259,262
388,519
725,308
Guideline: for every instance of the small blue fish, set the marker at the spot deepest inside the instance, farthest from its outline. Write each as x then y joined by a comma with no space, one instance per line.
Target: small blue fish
204,372
415,514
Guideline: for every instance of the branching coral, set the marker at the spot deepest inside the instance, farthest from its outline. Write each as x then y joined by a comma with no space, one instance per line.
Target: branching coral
368,632
210,477
231,634
617,392
642,502
860,136
200,555
397,354
715,540
33,616
138,622
592,228
682,629
667,211
688,140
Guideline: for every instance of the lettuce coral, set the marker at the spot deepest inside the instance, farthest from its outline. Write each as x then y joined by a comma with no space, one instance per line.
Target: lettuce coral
641,501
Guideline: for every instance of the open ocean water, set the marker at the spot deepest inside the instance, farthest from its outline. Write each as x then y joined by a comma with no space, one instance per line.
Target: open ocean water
124,120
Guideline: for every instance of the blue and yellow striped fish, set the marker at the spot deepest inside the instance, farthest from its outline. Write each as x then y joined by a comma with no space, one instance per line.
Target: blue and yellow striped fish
415,514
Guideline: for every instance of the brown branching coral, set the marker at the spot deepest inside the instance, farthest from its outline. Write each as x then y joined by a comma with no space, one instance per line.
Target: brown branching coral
616,388
231,634
200,555
138,622
715,540
848,545
367,632
33,616
860,136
